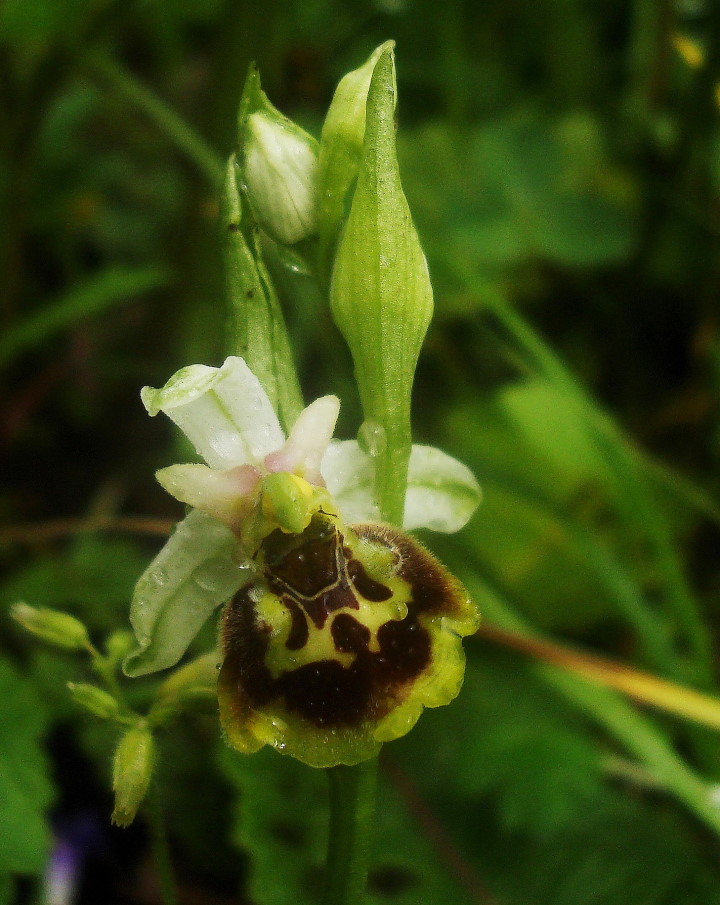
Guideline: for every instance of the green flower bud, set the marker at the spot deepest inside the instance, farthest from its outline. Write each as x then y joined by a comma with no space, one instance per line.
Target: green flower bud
119,645
341,148
196,680
380,294
280,173
132,771
340,642
52,626
94,699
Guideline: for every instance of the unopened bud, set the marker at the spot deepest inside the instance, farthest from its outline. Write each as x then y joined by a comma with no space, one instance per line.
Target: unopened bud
380,295
119,645
280,172
52,626
94,699
132,771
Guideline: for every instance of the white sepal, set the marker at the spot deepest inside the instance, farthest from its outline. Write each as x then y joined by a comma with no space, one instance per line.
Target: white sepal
194,573
224,412
442,493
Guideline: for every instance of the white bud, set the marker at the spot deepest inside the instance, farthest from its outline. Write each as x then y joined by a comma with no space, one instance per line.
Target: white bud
280,173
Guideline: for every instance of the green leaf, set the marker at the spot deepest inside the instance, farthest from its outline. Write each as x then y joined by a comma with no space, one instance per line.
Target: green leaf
25,787
519,188
6,888
380,294
507,737
622,851
281,820
95,295
94,568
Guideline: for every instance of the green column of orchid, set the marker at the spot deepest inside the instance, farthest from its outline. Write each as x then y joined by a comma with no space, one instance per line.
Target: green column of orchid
380,293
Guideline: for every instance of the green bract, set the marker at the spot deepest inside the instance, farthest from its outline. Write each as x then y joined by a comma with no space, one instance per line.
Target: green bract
257,481
341,147
380,294
52,626
256,324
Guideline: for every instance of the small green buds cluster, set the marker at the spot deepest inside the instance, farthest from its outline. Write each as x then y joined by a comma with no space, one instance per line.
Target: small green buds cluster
97,701
52,626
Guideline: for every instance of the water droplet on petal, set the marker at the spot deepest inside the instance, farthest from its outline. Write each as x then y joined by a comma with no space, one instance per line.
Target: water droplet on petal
159,576
371,438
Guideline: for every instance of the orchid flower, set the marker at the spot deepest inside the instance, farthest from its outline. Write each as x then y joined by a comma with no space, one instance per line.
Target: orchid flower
230,421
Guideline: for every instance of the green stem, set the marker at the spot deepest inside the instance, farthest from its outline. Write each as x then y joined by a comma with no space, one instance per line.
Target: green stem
352,807
160,847
174,127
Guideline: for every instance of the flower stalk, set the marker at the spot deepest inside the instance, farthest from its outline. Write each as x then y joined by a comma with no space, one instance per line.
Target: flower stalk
352,808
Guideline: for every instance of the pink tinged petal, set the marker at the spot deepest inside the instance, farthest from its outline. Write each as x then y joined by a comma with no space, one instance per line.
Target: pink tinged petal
226,495
303,452
224,412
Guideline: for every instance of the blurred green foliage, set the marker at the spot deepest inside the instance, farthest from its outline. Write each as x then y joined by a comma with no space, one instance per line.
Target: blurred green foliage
561,159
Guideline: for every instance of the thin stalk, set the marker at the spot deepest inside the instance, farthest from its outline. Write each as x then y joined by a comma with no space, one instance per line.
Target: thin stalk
642,687
174,127
352,807
160,848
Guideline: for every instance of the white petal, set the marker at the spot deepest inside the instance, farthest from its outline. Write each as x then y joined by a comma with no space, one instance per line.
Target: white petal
302,453
442,493
193,574
226,495
280,170
224,412
349,475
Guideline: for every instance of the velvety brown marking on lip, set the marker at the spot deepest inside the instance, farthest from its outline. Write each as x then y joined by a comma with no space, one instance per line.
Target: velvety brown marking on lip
404,650
327,694
299,632
349,635
245,645
433,589
305,563
370,589
337,598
